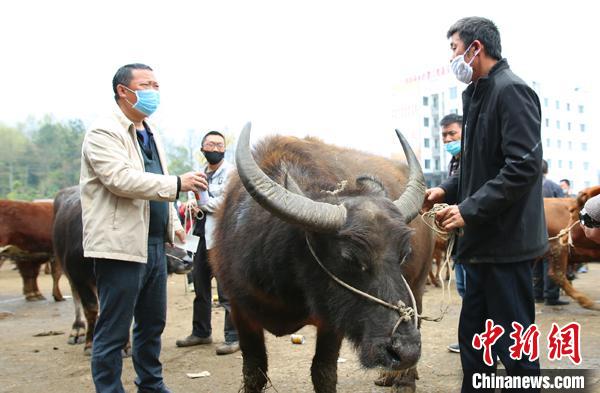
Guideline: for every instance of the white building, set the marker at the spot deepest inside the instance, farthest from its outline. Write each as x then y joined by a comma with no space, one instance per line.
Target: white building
422,100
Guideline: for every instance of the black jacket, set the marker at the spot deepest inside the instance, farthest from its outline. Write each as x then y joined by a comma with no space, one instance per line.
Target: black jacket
498,188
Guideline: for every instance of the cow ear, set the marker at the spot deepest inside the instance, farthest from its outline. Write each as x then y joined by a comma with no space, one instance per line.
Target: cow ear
370,185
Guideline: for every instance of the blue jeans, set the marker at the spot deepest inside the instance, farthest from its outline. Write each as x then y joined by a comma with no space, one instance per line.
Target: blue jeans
128,291
459,272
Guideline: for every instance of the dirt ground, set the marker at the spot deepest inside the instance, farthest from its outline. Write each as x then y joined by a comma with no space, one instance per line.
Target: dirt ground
49,365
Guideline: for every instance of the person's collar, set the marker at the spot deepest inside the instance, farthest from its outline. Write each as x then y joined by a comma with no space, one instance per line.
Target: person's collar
127,123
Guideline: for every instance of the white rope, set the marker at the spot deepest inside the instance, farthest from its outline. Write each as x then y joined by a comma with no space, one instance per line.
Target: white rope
450,237
405,312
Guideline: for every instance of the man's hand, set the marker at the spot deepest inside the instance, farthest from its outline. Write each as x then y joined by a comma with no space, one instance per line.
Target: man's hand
180,235
193,181
432,196
450,218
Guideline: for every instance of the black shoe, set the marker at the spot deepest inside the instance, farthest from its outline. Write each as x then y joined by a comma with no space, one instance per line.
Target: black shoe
555,302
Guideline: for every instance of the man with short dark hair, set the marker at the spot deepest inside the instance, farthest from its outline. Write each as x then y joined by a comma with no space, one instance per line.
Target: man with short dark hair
496,197
451,136
217,171
126,192
565,184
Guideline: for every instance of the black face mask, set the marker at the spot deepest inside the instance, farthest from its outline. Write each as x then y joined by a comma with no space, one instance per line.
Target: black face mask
214,157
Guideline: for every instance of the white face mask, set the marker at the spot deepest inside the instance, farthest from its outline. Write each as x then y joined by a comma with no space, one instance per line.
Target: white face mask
461,69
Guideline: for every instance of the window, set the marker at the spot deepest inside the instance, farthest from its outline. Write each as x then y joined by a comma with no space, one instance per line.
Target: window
582,127
545,102
436,143
568,106
549,163
558,145
580,108
570,164
427,164
426,142
569,126
437,164
559,164
558,124
584,146
586,166
455,111
570,146
547,142
453,93
425,101
426,121
557,104
547,122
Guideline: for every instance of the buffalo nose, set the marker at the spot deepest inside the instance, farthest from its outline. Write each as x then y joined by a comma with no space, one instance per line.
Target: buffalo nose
405,351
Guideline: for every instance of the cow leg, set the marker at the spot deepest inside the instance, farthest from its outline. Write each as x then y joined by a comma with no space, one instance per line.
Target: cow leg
324,365
29,272
78,328
254,352
405,381
558,272
56,270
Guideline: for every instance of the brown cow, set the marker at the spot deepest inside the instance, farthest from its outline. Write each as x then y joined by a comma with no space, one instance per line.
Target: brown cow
26,238
568,246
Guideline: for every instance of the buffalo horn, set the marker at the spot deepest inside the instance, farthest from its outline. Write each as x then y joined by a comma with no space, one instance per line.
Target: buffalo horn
292,208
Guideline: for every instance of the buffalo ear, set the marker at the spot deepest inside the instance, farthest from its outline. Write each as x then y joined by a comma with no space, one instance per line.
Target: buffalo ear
288,181
371,185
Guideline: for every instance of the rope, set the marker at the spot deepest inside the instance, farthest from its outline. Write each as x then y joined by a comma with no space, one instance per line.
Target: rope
405,312
450,237
563,232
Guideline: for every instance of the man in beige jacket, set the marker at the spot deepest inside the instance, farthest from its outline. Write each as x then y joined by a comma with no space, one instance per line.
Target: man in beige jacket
127,218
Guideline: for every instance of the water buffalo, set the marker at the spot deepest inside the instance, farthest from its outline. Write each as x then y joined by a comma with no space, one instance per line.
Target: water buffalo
26,238
354,210
68,247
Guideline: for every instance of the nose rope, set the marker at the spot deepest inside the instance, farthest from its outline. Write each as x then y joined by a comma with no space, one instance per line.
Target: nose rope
406,313
450,238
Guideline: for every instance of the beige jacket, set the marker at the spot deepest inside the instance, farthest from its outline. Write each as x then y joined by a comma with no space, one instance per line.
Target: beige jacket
115,191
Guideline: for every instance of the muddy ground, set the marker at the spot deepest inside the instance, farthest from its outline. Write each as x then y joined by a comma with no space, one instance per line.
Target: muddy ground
49,365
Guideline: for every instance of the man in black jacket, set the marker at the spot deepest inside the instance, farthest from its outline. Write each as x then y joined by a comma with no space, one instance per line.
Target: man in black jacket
496,198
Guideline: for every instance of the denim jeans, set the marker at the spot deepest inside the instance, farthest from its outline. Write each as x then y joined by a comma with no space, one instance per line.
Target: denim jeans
130,291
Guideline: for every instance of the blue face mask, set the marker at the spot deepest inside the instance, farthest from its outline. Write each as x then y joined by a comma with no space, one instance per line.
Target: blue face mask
147,100
453,147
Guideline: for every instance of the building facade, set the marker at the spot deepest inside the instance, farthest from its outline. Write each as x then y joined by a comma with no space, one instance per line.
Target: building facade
421,101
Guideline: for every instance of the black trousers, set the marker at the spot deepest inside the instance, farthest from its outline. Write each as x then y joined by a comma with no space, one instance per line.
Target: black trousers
203,275
544,287
502,292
